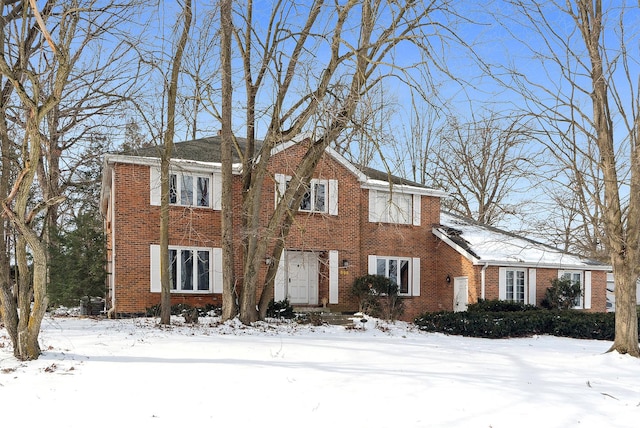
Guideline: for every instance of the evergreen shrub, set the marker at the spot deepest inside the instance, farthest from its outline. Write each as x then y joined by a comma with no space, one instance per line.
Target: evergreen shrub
280,309
378,297
181,308
565,323
500,306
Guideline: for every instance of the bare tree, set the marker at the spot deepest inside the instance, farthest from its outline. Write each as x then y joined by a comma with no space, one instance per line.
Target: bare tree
165,160
483,165
314,75
23,35
420,137
584,93
229,306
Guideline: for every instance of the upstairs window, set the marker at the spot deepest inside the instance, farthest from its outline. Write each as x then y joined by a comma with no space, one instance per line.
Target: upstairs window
320,197
188,186
189,190
315,199
394,207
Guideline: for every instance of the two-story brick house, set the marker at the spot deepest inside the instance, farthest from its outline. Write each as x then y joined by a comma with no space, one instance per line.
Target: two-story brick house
351,222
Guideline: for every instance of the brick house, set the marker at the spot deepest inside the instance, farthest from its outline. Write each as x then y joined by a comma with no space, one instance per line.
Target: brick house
353,221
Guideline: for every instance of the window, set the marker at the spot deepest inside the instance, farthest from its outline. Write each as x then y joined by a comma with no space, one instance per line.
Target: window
515,284
183,188
393,207
575,277
190,269
397,270
314,200
320,197
195,270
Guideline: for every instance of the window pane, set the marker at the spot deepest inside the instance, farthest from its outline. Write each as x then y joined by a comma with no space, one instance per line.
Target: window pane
403,207
381,267
519,295
173,268
186,192
305,205
203,192
382,206
393,271
320,192
203,270
173,189
187,270
509,285
404,277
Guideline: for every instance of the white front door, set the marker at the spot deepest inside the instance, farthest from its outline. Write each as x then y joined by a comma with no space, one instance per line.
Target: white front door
302,284
460,293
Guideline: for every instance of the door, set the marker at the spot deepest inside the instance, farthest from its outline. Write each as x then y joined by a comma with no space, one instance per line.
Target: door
460,293
302,284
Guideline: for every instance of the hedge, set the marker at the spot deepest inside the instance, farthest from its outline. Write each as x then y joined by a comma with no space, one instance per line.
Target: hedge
567,323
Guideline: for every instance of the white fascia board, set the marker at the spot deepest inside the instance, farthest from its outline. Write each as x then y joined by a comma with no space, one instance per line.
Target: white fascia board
186,164
504,263
444,238
402,188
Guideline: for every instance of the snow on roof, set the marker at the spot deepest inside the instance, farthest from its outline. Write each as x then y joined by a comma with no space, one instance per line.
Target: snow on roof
485,244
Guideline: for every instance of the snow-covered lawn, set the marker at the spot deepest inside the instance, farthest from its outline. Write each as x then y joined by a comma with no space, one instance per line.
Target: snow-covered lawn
133,373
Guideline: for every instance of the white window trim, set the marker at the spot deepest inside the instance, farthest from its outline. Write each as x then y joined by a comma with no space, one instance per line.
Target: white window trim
215,187
330,196
413,274
215,270
180,178
379,214
502,283
585,287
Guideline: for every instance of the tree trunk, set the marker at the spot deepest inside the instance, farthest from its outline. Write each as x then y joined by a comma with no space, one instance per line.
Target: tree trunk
622,244
165,159
229,307
626,324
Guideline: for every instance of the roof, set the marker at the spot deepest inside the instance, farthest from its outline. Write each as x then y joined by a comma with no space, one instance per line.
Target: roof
484,244
207,151
203,149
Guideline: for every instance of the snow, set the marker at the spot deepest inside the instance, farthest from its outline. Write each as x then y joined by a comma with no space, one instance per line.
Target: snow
496,246
134,373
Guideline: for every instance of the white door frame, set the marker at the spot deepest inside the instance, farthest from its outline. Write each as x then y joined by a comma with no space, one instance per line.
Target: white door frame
460,293
302,270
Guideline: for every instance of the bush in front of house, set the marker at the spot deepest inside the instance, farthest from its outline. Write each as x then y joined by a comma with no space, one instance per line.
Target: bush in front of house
495,325
280,309
500,306
562,294
182,308
378,297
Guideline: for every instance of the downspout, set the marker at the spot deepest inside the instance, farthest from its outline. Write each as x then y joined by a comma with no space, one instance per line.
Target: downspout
112,213
483,281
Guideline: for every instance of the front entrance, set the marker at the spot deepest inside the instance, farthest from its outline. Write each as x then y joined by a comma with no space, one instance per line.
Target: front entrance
460,293
302,282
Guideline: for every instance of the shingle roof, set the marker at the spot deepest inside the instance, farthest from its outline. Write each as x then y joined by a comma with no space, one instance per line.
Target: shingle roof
497,246
207,149
203,149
